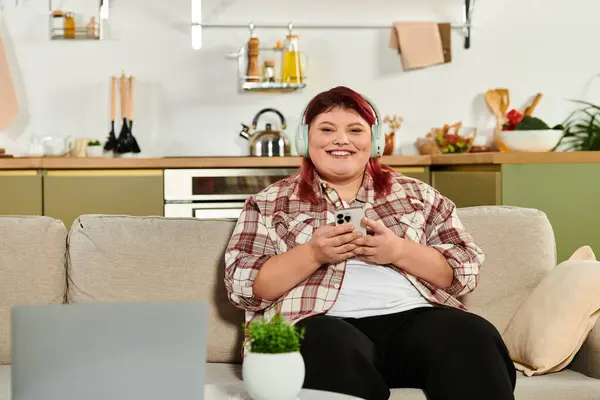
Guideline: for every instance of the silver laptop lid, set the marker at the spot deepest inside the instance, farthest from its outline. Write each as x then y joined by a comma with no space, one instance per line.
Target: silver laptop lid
116,351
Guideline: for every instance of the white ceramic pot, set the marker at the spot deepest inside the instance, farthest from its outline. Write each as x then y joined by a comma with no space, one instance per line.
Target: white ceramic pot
94,151
273,376
537,141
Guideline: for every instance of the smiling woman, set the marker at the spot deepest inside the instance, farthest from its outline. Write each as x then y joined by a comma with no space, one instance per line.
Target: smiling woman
340,142
380,310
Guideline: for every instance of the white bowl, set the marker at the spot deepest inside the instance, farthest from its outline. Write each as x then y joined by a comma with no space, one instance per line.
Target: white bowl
534,141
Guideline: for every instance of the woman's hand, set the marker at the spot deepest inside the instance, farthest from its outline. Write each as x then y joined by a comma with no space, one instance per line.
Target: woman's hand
383,247
331,244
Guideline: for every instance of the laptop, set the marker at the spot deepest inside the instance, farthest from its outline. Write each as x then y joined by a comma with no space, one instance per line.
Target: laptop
116,351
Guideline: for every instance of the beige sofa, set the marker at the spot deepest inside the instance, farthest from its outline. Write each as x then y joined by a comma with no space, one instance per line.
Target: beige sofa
112,258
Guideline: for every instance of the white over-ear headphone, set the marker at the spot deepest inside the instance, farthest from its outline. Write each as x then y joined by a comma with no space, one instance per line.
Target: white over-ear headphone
377,135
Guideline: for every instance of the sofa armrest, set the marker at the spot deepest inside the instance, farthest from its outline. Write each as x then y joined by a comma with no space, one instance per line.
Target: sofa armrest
587,360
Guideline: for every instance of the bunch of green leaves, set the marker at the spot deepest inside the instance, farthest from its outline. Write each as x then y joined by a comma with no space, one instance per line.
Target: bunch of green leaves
529,123
274,336
582,128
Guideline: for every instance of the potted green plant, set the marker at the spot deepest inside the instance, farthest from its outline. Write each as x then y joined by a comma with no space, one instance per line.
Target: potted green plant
582,128
273,368
94,149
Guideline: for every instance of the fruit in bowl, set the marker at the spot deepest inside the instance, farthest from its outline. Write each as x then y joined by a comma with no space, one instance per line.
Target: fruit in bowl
453,139
526,133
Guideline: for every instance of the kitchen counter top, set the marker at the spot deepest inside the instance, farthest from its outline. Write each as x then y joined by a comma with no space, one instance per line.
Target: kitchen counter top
262,162
573,157
180,162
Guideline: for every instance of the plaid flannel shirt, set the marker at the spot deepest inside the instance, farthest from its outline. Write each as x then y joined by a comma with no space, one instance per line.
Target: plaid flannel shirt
276,220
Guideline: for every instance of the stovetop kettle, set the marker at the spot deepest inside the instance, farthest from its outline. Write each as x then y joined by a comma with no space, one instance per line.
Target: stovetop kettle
268,142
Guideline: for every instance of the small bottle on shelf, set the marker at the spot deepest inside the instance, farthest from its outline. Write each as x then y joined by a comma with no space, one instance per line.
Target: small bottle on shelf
58,23
69,25
291,65
92,29
268,71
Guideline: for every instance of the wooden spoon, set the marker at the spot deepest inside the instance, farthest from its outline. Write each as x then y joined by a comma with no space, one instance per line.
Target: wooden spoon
134,144
111,143
505,103
124,125
529,110
494,101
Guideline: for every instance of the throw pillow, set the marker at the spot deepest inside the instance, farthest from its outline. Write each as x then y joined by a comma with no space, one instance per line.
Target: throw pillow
553,323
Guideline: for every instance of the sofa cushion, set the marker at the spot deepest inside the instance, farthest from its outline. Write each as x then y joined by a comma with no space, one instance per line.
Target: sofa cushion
566,384
122,258
224,381
32,267
553,323
519,250
563,385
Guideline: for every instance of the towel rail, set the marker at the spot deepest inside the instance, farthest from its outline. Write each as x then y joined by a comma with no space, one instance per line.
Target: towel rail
198,25
301,26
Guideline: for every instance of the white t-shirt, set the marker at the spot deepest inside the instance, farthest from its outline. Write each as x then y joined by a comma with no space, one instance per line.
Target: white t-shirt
371,289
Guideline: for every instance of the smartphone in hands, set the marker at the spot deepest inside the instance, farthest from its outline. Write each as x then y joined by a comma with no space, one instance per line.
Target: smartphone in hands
352,215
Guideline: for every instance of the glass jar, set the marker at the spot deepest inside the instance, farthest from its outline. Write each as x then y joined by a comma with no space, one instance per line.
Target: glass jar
268,71
291,71
69,26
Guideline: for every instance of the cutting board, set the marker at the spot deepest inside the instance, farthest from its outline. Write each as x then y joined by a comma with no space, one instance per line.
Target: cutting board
8,95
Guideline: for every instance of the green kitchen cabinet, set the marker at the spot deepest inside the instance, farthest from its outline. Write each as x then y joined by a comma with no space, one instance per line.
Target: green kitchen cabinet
420,173
20,192
469,188
567,193
71,193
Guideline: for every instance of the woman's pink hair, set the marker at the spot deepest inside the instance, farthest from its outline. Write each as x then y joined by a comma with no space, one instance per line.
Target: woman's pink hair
344,98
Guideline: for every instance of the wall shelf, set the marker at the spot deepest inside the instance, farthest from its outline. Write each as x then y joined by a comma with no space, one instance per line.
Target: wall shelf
197,25
57,31
79,34
272,87
256,83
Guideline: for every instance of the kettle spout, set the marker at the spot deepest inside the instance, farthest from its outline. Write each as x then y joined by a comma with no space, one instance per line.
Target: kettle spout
245,132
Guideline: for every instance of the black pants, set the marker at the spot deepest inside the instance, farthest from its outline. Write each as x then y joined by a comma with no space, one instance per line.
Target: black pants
449,353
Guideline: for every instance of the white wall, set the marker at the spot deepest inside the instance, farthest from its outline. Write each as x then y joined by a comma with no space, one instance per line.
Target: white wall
187,101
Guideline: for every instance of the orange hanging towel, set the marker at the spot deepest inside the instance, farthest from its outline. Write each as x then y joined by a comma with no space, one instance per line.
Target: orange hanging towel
419,44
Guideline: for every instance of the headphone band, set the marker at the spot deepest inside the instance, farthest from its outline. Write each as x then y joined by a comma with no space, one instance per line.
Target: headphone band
369,102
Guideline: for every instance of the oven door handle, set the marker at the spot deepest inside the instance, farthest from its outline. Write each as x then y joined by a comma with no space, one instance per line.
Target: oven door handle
217,213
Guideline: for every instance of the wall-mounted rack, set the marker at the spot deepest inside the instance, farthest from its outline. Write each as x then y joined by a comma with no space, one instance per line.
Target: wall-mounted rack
198,25
85,31
274,83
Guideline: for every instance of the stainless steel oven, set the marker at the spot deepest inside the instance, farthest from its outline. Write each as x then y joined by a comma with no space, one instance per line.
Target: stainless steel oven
215,193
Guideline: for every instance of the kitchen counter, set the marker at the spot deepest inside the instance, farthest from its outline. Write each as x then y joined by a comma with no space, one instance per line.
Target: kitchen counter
261,162
574,157
180,162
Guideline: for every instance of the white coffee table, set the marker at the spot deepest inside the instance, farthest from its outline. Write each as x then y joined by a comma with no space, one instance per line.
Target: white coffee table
236,391
233,391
